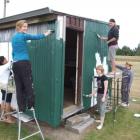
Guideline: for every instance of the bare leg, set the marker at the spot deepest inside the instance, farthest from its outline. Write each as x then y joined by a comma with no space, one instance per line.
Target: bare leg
113,66
2,106
9,118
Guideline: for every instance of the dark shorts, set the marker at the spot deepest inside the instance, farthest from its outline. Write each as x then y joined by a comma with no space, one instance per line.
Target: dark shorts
9,96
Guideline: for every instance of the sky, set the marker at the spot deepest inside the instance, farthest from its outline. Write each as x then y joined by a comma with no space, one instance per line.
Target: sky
125,12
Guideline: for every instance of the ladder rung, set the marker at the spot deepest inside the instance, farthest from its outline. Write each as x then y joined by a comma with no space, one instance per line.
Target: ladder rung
30,135
10,113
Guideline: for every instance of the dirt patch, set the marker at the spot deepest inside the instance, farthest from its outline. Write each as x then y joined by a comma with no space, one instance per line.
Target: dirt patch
60,133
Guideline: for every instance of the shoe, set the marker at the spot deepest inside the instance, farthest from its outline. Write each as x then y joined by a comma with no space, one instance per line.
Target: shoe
119,102
98,121
99,127
32,108
124,105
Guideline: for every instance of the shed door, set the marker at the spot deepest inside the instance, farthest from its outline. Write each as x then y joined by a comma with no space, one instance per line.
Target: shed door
73,65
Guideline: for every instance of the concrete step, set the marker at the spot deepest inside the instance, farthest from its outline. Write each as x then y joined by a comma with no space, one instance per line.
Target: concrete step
68,111
81,126
77,119
79,123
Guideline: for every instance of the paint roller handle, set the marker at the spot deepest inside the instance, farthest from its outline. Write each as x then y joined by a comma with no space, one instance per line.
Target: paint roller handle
88,96
48,32
52,31
101,37
84,95
92,94
98,36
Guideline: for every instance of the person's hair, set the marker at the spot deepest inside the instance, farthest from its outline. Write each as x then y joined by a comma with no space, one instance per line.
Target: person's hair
100,67
19,24
2,60
112,20
127,63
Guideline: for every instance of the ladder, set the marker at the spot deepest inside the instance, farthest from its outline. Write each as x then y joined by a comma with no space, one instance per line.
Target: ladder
37,124
18,112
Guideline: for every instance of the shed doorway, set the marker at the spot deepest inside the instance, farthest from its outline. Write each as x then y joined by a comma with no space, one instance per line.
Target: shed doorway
73,72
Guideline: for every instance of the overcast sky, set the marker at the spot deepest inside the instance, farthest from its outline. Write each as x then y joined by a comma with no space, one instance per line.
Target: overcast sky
125,12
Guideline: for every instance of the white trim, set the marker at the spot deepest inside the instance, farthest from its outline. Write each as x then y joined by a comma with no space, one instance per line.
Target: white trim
77,69
61,28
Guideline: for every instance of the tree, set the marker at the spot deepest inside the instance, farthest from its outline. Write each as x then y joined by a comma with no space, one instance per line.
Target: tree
137,50
125,51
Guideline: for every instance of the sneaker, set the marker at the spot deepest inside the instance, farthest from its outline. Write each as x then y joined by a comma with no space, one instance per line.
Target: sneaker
119,102
98,121
124,105
32,108
99,127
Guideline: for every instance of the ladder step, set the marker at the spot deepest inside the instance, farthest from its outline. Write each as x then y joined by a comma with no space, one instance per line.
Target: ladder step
30,135
23,117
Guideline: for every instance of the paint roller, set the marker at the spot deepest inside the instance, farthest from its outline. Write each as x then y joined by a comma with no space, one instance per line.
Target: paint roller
52,31
98,36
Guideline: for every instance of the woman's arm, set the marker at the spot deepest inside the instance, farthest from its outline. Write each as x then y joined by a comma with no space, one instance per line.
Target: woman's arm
120,67
36,37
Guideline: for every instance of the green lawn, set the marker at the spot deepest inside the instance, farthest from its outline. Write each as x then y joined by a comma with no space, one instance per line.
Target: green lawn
9,132
126,127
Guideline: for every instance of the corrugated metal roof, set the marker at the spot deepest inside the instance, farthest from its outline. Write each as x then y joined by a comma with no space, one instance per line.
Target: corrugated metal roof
26,15
40,12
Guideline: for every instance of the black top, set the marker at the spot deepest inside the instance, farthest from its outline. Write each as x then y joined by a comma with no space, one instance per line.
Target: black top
113,32
100,84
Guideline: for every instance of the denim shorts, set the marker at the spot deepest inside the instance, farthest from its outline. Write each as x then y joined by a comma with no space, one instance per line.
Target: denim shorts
112,52
101,105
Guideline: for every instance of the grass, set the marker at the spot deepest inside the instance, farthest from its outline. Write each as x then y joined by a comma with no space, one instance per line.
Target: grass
10,132
127,127
128,58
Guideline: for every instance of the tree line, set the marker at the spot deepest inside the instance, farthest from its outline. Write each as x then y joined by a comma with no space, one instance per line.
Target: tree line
126,51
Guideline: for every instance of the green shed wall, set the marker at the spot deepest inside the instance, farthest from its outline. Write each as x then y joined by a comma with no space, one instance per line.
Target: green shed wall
47,66
47,57
92,45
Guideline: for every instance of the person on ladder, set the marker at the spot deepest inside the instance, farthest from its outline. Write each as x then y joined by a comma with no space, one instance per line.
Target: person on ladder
6,106
22,66
112,42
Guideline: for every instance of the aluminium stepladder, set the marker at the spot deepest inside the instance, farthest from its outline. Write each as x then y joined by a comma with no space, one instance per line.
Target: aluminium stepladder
20,113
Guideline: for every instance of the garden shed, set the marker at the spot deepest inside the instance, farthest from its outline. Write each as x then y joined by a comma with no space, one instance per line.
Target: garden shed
64,63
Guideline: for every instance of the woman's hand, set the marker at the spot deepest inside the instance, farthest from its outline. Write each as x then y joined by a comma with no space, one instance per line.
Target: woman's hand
103,99
92,94
47,32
